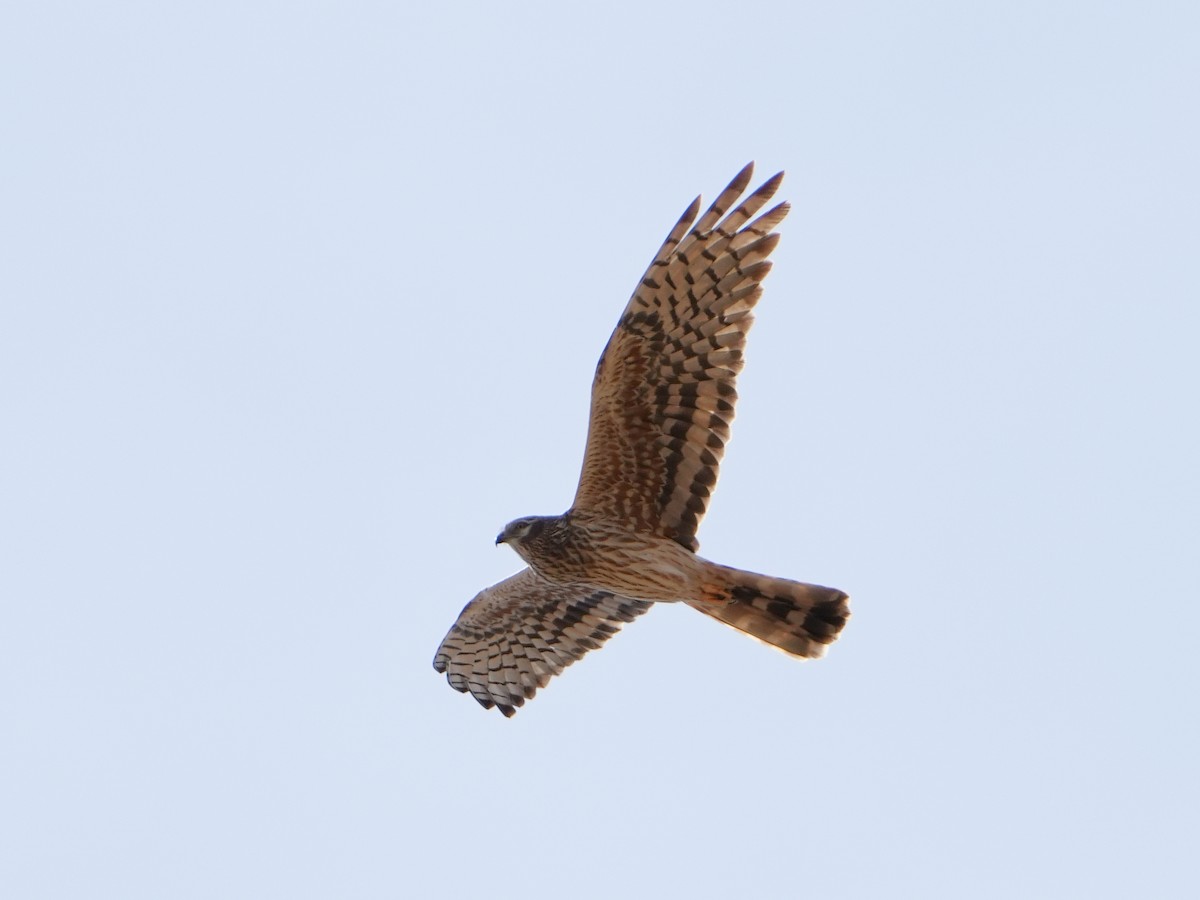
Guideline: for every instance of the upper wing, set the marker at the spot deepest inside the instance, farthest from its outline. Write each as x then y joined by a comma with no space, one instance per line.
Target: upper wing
518,634
663,395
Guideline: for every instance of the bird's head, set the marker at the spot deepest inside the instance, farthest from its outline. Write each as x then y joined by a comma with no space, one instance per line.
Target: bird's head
518,531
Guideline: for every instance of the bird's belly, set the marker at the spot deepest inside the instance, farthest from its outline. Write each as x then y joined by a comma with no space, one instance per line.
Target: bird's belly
645,569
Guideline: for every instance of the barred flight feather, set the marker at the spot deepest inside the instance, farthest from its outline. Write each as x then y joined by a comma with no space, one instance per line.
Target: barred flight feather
513,637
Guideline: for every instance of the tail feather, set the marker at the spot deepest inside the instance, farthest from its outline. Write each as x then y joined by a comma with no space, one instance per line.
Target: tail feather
797,618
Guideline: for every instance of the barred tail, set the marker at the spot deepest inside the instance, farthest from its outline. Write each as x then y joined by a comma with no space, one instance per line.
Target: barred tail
800,619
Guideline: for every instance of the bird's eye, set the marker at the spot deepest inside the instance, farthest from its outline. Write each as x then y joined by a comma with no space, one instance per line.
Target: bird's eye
528,529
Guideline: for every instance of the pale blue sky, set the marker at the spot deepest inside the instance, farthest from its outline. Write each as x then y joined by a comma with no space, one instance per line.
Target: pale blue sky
300,303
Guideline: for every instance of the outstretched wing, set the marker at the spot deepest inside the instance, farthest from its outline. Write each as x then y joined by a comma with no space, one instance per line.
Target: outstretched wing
663,395
518,634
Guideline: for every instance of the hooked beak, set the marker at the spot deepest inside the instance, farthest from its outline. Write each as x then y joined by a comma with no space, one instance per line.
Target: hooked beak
500,539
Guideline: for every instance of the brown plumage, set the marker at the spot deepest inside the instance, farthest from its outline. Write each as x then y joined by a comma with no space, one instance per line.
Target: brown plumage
662,402
516,635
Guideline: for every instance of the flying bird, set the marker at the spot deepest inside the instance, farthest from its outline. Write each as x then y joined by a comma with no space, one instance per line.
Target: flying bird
662,401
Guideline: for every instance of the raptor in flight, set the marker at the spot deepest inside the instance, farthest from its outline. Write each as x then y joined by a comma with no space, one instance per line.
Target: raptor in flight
662,401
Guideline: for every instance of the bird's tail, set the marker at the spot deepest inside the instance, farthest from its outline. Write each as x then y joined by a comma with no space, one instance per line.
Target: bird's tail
799,619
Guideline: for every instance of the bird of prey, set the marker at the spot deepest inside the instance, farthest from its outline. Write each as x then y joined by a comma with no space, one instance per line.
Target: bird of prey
662,402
